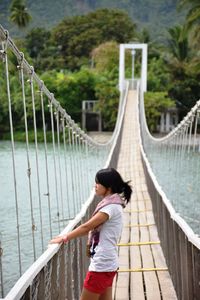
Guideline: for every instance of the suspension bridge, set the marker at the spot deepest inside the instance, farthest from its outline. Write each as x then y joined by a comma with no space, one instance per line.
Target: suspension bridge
50,192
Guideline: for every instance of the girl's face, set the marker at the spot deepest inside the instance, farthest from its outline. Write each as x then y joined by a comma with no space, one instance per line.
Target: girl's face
102,190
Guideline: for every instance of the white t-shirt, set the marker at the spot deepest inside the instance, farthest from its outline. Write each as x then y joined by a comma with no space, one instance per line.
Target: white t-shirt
105,258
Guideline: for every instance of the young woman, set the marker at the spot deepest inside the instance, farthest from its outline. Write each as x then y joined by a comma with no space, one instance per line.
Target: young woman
104,230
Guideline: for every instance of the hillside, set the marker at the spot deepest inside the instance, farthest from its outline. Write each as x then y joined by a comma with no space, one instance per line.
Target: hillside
155,15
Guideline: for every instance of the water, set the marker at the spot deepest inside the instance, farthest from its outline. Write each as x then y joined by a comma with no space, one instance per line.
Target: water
62,202
179,176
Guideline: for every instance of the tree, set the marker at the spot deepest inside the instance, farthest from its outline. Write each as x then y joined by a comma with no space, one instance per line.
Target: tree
76,37
70,89
39,47
19,14
182,63
193,16
178,55
193,20
106,57
155,103
158,75
108,96
178,43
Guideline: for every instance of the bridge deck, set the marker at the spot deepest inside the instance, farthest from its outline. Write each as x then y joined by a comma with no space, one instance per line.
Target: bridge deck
139,226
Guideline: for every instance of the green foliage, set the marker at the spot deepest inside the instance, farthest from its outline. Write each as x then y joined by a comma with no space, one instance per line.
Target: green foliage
192,21
178,43
19,14
39,48
158,75
155,103
76,37
70,89
156,15
106,57
106,66
14,94
43,51
20,136
182,62
16,97
108,95
93,39
193,15
186,92
4,116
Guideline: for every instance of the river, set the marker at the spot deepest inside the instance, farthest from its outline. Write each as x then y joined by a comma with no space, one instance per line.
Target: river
8,220
180,182
179,176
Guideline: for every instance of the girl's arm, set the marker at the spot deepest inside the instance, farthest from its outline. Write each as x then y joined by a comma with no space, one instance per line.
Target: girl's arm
98,219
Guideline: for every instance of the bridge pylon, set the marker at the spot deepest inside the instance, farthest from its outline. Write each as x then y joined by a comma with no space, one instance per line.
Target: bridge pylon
143,75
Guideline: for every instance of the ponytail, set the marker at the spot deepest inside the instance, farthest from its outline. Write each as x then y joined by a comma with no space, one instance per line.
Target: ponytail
126,191
110,178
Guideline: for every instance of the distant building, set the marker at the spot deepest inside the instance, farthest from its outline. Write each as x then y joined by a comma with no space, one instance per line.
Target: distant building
168,120
91,117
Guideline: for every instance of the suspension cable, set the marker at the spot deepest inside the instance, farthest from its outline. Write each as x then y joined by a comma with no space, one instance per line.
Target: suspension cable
59,164
36,155
5,44
46,161
54,163
27,155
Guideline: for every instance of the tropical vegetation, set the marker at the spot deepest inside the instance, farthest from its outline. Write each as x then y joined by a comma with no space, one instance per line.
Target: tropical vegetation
78,60
155,15
19,13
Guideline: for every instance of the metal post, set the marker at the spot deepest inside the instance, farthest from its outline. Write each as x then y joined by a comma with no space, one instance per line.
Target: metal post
1,270
133,63
83,115
121,67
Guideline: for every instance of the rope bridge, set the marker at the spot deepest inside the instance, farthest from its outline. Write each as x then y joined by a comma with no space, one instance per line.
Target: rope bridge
175,160
57,178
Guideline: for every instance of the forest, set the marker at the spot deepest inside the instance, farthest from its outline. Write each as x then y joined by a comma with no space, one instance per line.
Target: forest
156,15
79,57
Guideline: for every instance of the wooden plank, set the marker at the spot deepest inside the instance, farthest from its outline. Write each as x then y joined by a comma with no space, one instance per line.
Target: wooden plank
122,287
136,280
131,167
166,286
121,284
150,278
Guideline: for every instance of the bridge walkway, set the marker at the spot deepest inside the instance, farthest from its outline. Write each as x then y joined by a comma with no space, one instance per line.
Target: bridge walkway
139,226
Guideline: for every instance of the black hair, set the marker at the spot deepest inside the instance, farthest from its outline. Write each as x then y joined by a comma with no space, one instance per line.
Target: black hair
110,178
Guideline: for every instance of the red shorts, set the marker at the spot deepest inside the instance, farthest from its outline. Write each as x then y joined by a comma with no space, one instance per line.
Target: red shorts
98,282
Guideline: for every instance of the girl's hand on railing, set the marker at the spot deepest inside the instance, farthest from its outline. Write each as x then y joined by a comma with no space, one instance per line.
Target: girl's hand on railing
59,239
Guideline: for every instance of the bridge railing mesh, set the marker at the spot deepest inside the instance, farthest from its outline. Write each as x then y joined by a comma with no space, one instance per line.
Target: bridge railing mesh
57,171
180,244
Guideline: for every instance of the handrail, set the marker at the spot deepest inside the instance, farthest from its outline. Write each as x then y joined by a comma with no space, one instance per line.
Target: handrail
63,129
181,246
4,36
25,281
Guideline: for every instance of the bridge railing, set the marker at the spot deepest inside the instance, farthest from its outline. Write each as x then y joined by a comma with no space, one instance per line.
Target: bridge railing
60,270
133,83
68,173
47,182
181,246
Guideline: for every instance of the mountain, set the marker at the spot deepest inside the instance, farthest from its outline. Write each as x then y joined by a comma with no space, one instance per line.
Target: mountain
155,15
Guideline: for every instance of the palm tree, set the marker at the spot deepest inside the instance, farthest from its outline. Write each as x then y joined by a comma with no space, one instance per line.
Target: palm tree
19,14
193,19
193,16
178,42
178,54
182,62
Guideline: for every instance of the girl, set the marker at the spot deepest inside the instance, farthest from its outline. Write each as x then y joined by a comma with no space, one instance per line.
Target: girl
103,229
